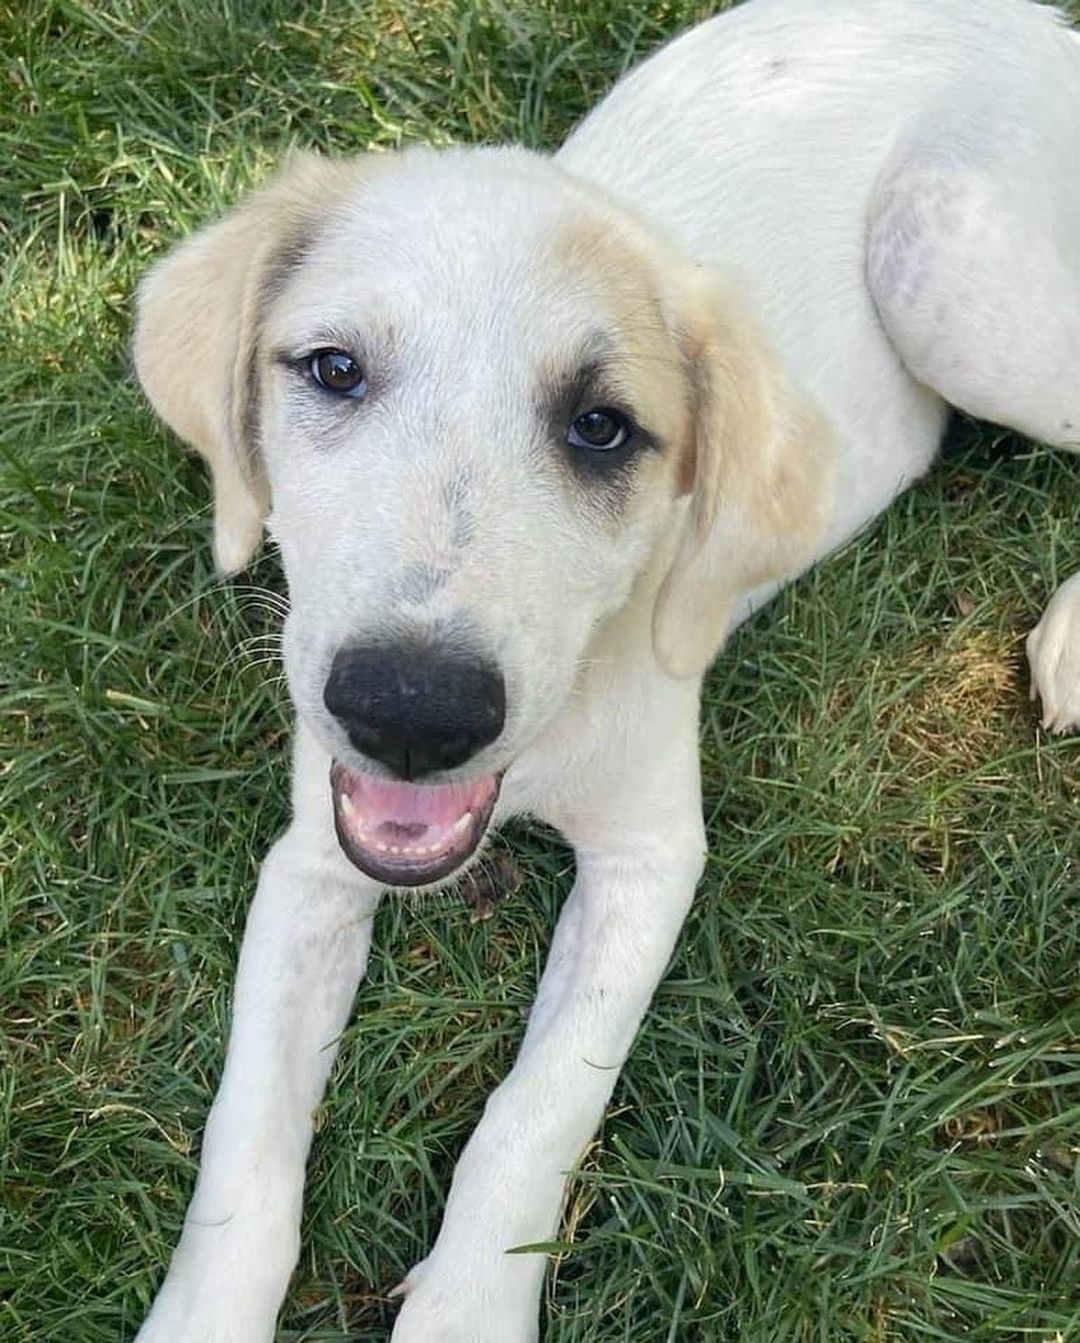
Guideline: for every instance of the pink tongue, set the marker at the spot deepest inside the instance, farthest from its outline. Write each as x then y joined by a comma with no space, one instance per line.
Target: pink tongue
411,804
391,829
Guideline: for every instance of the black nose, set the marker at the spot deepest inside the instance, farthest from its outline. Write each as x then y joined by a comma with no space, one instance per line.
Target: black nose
414,707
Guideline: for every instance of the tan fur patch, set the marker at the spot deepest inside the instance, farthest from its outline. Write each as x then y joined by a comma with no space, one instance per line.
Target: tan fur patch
648,366
763,478
197,330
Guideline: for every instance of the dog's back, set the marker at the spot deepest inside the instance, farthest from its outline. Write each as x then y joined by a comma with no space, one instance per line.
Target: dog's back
758,139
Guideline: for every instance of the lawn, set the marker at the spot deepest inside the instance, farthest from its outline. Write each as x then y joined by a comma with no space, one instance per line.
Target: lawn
854,1112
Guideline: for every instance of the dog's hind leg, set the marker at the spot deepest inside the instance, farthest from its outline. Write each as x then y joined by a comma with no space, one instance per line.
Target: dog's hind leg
973,260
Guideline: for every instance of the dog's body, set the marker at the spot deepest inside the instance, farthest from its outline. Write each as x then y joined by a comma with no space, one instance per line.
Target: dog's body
580,459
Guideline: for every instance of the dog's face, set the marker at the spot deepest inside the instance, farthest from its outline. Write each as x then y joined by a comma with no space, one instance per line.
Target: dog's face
471,394
472,421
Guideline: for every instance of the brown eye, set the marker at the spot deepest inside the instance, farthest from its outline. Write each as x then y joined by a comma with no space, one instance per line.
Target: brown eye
599,430
338,372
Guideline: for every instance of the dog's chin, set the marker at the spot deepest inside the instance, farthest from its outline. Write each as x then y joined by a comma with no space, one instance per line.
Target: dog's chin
410,834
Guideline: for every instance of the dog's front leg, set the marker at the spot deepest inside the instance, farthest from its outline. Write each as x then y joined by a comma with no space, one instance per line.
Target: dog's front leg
304,950
639,854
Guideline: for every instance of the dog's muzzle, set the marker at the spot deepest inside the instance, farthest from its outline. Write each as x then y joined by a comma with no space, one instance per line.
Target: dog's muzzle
409,834
417,707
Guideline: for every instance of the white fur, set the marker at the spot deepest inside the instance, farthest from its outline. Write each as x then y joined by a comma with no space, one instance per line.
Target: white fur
893,186
1053,650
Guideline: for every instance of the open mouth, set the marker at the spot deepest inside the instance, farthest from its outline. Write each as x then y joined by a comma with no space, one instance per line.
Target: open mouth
409,834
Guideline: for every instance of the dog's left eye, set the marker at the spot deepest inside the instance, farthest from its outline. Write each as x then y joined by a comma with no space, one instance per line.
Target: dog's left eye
599,430
338,372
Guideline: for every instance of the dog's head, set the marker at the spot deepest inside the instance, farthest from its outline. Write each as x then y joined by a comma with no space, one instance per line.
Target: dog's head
481,408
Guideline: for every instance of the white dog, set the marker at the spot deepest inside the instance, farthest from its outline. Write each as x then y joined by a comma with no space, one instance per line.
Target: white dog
531,435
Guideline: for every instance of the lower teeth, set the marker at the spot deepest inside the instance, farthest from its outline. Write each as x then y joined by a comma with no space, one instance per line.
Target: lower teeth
350,811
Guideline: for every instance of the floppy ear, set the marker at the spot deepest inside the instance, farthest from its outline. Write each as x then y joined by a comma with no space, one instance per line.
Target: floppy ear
762,484
196,336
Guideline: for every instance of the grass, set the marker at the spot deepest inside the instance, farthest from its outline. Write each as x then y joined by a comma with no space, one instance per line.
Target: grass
854,1111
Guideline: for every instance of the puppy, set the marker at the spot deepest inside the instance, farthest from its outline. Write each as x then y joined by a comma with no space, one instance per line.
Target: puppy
531,435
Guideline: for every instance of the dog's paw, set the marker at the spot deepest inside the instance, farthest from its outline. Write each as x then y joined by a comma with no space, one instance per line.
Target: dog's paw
447,1322
438,1309
180,1321
212,1295
1053,652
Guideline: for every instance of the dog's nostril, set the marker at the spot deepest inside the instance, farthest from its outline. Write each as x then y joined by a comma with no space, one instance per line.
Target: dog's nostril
415,708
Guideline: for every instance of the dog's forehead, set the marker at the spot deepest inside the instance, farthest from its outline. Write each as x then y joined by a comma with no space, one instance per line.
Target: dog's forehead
459,197
497,239
454,212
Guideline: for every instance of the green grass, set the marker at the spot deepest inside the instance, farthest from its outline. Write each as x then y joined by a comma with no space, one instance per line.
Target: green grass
854,1112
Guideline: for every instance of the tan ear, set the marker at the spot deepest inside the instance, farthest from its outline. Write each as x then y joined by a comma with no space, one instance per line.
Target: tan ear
763,480
196,336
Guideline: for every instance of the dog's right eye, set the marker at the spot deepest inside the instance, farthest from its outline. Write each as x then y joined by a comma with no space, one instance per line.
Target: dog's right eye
338,372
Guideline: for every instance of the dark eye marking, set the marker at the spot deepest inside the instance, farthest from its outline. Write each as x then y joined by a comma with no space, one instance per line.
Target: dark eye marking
584,405
338,372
